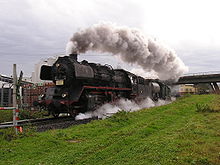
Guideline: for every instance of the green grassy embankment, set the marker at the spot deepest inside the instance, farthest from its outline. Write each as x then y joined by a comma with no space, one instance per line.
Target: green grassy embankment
184,132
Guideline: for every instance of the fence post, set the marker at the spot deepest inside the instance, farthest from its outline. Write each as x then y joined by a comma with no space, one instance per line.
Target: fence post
15,112
15,120
14,96
18,128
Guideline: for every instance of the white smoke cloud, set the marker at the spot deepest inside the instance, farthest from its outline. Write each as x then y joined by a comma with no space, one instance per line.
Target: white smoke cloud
131,46
148,75
108,109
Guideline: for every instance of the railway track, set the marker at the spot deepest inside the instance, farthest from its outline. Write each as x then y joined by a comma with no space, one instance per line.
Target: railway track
49,123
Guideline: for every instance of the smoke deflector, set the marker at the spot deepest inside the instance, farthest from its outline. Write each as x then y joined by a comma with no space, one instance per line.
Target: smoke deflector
45,73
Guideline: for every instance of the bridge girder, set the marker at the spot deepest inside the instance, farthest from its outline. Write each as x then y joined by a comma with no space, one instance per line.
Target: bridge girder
212,78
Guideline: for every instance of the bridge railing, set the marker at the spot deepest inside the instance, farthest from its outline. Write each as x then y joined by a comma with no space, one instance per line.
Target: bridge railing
201,73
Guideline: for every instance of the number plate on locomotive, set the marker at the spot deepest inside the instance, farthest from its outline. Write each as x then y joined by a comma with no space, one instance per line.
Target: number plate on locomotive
59,82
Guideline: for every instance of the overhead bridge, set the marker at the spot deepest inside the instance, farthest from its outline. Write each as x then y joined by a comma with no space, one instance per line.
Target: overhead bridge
9,80
210,78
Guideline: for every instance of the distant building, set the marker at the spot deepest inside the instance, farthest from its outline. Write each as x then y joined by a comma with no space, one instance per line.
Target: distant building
187,89
6,96
6,88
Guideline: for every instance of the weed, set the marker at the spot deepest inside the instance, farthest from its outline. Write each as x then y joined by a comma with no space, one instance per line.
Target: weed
27,114
206,108
203,108
8,134
6,115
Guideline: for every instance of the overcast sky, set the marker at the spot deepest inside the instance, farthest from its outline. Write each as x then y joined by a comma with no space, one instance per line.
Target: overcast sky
34,29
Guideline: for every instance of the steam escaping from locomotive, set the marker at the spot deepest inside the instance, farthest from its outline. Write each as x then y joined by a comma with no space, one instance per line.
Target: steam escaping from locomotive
140,72
109,109
131,46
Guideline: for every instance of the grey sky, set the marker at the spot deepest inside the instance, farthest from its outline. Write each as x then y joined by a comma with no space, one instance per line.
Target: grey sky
34,29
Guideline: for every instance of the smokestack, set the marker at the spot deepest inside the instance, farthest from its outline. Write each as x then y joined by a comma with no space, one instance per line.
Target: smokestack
74,56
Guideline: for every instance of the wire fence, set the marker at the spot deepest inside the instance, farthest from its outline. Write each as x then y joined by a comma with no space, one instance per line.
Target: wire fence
15,112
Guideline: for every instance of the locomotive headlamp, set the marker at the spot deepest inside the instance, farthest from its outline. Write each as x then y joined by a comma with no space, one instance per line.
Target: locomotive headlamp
64,95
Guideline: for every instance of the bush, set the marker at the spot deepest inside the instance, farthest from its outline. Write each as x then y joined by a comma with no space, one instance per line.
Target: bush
6,115
8,134
28,114
204,108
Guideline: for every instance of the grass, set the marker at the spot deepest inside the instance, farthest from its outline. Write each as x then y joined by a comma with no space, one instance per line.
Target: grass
177,133
6,115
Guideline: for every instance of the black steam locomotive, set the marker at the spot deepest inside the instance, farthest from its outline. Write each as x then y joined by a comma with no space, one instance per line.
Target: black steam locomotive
83,86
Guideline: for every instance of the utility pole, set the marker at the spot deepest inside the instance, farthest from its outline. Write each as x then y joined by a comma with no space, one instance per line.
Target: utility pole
14,86
2,96
14,95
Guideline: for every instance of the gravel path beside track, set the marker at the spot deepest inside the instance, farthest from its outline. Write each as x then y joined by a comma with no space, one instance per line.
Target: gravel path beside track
50,123
60,124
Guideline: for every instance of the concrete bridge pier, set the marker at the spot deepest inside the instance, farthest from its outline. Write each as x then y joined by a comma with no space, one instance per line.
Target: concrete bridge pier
216,88
211,85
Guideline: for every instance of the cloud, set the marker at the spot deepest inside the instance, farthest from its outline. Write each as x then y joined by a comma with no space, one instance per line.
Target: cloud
31,30
200,58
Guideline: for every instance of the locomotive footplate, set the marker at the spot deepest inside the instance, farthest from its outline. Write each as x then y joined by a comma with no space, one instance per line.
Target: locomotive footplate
107,88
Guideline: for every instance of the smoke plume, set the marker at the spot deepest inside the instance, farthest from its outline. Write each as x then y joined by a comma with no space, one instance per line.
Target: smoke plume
108,109
131,46
148,75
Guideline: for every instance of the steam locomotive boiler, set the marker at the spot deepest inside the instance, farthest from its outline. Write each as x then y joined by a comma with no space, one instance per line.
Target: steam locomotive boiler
84,86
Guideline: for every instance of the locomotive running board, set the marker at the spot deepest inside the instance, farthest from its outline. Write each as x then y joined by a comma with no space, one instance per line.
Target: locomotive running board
107,88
